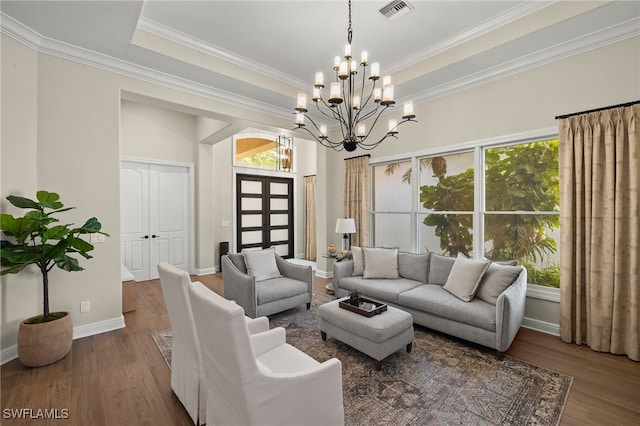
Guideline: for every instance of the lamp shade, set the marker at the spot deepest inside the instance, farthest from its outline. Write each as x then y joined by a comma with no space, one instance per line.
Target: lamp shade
345,225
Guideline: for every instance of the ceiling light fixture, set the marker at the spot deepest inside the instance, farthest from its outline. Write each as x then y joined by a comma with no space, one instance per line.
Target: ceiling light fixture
348,105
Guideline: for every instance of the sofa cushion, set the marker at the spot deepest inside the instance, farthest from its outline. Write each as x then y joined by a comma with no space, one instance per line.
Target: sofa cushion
414,266
435,300
278,289
496,280
465,276
383,289
358,261
262,264
238,260
439,268
380,263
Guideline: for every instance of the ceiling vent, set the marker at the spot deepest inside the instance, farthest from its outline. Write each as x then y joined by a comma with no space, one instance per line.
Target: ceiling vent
396,9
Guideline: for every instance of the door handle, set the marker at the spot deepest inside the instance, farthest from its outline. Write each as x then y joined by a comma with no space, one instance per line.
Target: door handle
146,237
155,236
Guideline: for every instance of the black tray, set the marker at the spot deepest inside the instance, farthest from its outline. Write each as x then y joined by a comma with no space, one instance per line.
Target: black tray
366,307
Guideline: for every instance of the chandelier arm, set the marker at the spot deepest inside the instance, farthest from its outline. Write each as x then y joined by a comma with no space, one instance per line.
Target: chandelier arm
373,125
370,146
318,129
373,112
326,143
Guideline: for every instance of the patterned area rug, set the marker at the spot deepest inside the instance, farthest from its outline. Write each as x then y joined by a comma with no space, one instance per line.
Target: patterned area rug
443,381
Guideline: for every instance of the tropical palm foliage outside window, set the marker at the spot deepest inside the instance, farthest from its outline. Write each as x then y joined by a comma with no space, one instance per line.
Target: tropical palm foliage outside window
519,196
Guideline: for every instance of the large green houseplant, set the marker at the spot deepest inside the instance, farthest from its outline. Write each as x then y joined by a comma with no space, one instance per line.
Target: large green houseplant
38,238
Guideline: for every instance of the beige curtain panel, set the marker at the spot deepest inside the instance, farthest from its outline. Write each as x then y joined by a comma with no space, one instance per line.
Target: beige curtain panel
600,230
356,197
310,217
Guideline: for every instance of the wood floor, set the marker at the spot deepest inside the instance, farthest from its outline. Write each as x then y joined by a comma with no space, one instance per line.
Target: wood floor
119,378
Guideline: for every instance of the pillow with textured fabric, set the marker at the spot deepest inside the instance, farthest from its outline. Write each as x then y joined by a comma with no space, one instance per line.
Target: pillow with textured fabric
380,263
439,268
358,261
465,277
262,264
413,266
496,280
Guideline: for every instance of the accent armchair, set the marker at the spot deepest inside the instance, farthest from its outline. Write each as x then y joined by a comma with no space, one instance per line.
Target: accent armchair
264,283
259,379
187,374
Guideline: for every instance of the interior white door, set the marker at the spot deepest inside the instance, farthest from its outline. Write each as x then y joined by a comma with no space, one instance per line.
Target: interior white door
154,217
168,216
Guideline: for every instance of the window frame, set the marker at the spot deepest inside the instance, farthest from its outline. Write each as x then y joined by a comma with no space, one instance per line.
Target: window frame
477,147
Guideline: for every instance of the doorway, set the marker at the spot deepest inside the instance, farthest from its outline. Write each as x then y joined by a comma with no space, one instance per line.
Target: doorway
155,210
264,209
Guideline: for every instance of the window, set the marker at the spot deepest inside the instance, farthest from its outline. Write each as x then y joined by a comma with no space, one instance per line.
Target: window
446,204
391,201
522,204
509,211
263,152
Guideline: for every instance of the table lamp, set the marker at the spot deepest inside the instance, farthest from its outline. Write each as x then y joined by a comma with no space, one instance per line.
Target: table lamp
345,226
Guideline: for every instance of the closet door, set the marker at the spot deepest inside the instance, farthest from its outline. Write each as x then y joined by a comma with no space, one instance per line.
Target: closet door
154,217
264,206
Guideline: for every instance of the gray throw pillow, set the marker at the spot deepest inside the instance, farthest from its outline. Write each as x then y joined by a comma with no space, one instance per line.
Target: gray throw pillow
262,264
380,263
465,277
358,261
496,280
439,268
413,266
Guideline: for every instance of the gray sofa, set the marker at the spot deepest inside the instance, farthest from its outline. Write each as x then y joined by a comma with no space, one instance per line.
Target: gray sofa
491,317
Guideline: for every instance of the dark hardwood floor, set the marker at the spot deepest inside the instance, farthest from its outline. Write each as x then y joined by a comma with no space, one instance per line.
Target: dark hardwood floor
119,378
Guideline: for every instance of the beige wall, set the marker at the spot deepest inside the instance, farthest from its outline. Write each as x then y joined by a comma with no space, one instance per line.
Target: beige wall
523,102
61,132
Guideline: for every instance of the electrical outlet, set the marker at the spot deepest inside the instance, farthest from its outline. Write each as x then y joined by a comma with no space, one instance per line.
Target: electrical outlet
225,223
85,306
97,238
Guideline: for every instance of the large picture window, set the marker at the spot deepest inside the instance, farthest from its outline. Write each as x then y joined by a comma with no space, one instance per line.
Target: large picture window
509,211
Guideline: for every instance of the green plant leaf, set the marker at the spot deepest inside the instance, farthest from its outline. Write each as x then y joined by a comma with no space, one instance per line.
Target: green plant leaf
68,263
80,244
49,200
55,233
22,202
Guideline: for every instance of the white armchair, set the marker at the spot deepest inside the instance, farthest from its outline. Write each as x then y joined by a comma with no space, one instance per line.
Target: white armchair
260,379
188,380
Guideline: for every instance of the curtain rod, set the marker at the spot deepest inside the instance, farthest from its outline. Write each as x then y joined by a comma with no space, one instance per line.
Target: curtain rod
308,175
358,156
598,109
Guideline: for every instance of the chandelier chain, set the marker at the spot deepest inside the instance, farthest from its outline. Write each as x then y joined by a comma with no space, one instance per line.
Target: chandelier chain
349,31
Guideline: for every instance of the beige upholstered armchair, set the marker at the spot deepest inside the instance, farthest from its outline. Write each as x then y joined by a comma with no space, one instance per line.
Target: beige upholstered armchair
264,283
259,379
187,374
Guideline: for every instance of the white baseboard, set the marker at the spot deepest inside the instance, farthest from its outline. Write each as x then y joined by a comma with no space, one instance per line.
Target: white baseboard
207,271
324,274
80,331
543,326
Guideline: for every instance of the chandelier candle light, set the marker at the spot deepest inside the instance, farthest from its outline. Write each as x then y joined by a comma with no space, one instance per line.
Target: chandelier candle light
349,106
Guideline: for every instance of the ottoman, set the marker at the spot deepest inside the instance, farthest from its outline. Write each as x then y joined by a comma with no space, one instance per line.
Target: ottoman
378,336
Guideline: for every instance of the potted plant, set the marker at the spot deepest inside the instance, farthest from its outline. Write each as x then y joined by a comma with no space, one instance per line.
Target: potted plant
38,238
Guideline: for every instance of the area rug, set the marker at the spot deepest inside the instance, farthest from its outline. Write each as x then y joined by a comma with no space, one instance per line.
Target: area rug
443,381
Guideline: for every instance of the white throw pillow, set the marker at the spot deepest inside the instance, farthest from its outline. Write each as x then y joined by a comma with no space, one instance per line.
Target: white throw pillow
261,264
380,263
358,261
465,276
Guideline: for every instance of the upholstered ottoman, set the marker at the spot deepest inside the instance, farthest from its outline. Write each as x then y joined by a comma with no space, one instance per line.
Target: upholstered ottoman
378,336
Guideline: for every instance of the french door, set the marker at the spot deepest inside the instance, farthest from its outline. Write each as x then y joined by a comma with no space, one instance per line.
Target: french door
264,209
154,210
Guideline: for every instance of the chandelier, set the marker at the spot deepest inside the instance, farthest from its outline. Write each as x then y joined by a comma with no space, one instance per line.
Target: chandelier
355,113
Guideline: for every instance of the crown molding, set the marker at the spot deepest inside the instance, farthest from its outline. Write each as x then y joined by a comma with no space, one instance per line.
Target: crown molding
513,14
41,44
200,45
594,40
